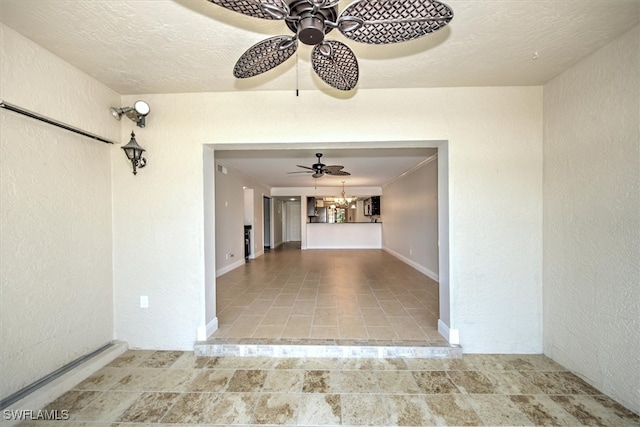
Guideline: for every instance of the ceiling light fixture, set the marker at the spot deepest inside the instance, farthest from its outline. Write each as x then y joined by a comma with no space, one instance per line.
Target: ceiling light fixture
137,113
364,21
344,201
134,153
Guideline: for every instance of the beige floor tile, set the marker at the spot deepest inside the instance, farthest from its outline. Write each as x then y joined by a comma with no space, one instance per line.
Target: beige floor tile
498,410
361,381
277,408
322,380
349,281
409,410
107,406
276,316
297,327
325,316
320,409
268,331
193,408
472,390
234,408
303,307
131,358
211,380
150,407
452,409
374,316
135,379
247,380
259,307
284,381
104,379
364,409
397,382
176,380
324,332
543,411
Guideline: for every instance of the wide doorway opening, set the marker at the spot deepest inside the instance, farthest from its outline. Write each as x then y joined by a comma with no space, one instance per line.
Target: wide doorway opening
337,294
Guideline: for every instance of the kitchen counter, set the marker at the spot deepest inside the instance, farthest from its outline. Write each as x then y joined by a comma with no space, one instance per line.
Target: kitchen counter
344,235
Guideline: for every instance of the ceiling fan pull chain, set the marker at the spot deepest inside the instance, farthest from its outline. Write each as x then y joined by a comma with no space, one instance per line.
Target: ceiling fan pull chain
297,80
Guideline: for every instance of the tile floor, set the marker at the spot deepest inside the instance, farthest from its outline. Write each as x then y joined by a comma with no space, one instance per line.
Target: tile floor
168,388
320,294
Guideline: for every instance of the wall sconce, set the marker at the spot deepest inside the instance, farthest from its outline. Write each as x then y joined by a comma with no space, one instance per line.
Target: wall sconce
134,153
137,113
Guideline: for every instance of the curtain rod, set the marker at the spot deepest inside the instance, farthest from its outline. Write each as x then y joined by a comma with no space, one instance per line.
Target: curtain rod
19,110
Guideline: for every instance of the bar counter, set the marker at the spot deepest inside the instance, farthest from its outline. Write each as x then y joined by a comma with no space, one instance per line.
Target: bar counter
344,235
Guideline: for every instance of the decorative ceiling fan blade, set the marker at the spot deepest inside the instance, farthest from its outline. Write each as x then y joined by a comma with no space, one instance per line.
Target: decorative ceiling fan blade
264,56
333,168
335,63
336,172
306,167
300,172
392,21
264,9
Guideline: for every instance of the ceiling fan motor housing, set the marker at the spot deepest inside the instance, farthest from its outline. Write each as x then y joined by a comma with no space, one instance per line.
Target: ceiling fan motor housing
310,26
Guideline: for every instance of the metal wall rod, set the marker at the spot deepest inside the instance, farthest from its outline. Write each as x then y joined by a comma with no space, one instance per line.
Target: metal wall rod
21,394
19,110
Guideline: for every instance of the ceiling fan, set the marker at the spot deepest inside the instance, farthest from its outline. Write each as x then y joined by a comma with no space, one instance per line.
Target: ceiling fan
365,21
319,169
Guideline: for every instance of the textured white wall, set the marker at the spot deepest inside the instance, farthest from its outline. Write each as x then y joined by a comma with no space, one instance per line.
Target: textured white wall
410,207
279,207
592,219
56,301
495,151
230,207
231,202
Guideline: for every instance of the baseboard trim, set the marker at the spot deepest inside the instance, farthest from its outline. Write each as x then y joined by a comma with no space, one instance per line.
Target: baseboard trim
212,326
443,329
50,391
451,335
230,267
257,254
424,270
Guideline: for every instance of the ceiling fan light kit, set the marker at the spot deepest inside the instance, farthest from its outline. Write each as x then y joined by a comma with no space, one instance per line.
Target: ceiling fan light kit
364,21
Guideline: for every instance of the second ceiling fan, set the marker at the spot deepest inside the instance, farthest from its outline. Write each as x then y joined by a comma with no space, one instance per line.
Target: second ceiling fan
319,169
365,21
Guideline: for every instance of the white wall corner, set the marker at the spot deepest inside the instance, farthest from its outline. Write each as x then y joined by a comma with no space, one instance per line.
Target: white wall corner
422,269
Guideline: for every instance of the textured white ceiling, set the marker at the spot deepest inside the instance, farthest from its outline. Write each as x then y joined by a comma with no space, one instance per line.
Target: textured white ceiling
368,167
173,46
165,46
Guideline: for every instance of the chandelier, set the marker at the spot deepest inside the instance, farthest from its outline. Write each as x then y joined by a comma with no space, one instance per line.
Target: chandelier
344,202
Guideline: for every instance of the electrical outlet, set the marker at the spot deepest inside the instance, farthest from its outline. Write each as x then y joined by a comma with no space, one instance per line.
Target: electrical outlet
410,251
226,256
144,301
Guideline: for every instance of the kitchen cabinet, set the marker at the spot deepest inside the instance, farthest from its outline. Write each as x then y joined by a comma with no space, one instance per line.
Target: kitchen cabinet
372,206
311,206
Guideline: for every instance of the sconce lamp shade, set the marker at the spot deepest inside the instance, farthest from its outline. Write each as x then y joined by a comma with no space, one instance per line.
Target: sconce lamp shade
134,153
